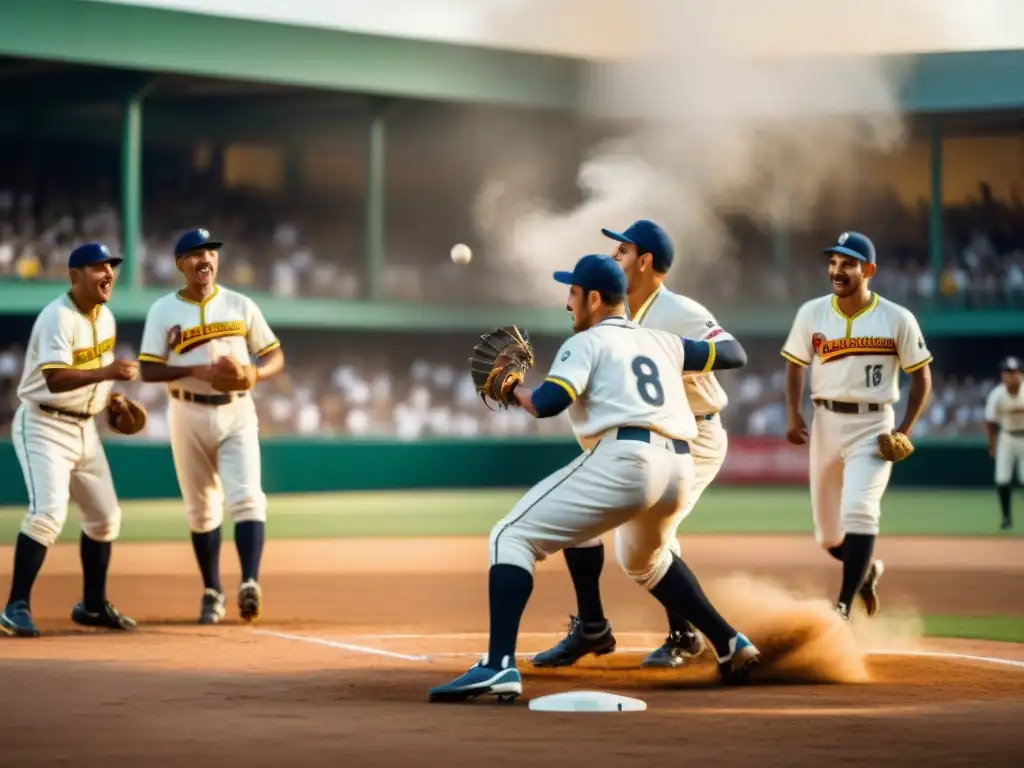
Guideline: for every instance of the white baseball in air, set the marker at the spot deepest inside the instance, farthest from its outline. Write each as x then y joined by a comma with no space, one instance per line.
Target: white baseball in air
461,254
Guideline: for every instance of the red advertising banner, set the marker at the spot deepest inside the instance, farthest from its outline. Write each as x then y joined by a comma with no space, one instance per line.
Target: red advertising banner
764,461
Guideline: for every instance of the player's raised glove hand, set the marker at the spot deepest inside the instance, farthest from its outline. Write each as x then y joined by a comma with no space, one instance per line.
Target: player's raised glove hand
230,375
894,446
125,416
501,358
796,429
122,370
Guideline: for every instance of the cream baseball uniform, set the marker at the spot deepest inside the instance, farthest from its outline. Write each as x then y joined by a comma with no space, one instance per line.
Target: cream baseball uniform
623,380
1007,411
216,447
55,434
855,364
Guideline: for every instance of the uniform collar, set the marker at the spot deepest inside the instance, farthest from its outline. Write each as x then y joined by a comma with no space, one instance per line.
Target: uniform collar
617,322
645,308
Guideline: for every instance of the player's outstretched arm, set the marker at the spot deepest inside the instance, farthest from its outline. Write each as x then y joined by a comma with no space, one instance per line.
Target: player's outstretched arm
917,399
707,356
67,379
549,399
796,427
270,364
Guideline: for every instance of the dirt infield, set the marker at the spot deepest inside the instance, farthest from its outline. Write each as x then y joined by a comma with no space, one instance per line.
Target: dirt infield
356,631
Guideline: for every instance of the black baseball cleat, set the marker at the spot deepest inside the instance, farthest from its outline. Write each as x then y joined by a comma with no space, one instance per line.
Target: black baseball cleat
250,601
16,621
1007,525
107,618
575,645
678,648
212,610
843,610
869,589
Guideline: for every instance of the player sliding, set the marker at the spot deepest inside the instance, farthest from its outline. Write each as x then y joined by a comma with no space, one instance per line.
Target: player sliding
623,389
855,343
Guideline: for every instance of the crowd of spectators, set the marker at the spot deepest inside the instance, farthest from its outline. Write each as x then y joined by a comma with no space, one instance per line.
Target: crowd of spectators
423,390
308,250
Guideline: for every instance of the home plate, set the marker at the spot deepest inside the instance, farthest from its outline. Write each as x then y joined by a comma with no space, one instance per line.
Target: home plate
587,701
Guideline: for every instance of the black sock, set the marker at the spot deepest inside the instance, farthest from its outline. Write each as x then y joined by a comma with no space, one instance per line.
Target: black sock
1005,493
207,549
677,623
585,566
857,551
681,594
509,588
28,559
95,562
836,552
249,543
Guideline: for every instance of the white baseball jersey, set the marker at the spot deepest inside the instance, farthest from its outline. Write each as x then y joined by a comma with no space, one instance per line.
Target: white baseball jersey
682,316
182,332
618,374
856,359
1005,409
62,337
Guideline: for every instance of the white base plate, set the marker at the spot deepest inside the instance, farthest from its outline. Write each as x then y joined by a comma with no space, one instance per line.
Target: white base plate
587,701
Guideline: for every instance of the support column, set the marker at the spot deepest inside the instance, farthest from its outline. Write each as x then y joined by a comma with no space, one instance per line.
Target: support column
131,190
935,228
376,202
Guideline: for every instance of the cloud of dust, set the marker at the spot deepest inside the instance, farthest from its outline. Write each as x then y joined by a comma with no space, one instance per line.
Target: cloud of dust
736,107
802,638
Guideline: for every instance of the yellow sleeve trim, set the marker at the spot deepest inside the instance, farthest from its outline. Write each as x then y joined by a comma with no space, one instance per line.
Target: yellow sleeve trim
564,385
917,366
794,360
275,344
53,366
152,359
711,357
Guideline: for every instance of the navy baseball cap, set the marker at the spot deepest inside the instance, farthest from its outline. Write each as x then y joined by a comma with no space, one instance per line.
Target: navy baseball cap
648,237
596,272
1010,364
856,246
92,253
193,239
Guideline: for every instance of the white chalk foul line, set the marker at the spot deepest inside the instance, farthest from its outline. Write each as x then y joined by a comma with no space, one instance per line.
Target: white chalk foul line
343,646
949,655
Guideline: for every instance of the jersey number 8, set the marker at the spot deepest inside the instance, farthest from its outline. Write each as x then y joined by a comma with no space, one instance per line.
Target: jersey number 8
648,381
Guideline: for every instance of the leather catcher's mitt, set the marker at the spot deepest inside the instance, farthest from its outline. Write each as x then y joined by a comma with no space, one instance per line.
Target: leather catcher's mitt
229,375
501,358
894,446
125,416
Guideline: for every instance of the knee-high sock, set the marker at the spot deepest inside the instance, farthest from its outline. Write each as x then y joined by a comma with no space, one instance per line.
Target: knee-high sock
857,551
585,566
28,559
681,594
249,543
95,562
207,549
509,588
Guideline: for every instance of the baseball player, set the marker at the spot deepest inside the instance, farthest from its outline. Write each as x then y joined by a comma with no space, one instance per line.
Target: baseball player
68,378
201,342
855,343
1004,422
623,388
645,253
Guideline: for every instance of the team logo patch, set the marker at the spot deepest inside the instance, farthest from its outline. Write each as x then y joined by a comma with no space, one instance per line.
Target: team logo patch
565,355
843,237
817,340
710,324
173,336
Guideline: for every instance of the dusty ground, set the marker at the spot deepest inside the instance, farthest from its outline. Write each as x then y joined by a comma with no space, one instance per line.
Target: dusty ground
356,631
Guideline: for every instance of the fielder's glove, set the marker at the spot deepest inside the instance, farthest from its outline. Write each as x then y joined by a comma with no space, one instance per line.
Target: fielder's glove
125,416
501,358
894,446
229,375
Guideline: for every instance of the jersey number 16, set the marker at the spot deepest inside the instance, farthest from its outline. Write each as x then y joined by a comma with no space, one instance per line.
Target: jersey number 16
872,375
648,381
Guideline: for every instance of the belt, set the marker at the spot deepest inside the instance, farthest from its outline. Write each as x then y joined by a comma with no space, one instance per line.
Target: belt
837,406
61,412
195,397
643,435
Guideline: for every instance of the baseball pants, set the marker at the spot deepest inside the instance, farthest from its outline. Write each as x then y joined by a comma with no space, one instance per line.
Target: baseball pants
63,460
216,451
1009,457
633,486
848,477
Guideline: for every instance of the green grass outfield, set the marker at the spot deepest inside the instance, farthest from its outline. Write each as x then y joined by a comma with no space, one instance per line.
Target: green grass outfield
471,513
1007,629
